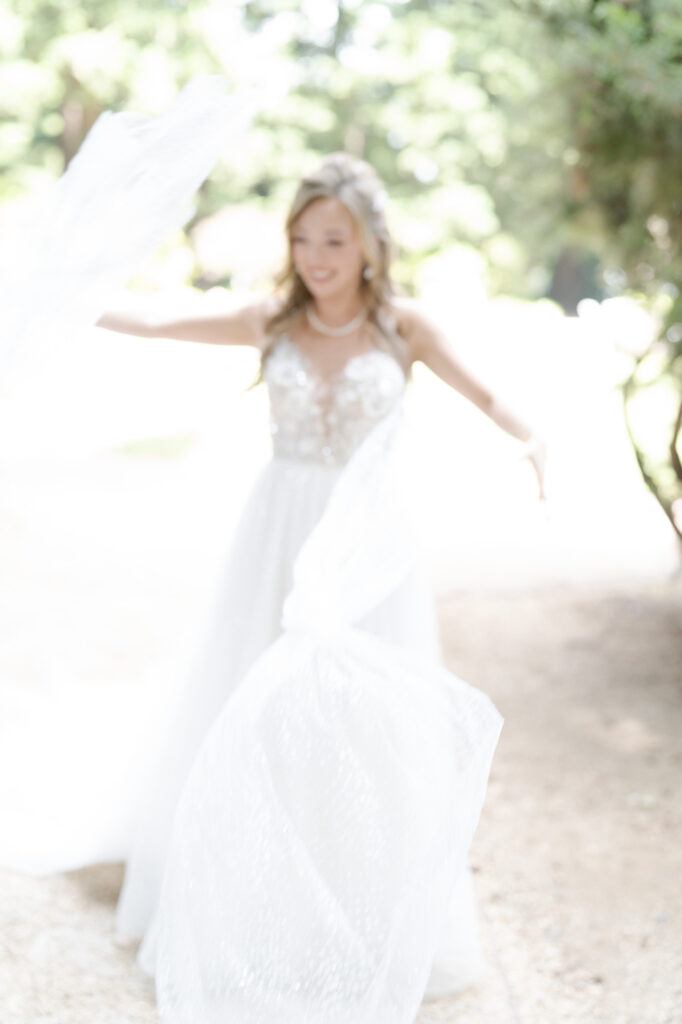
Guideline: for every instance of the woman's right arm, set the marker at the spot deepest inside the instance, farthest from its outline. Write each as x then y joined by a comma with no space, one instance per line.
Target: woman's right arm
242,326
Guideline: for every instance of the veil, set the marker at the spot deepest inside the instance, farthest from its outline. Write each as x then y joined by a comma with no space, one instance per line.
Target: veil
129,186
70,761
333,801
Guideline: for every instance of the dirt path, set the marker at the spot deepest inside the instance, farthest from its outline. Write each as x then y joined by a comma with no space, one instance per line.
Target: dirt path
577,859
578,852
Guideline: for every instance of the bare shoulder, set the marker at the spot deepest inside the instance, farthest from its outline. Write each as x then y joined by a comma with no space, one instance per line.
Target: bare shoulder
413,324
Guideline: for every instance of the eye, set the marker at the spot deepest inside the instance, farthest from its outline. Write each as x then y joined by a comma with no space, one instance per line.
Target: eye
335,242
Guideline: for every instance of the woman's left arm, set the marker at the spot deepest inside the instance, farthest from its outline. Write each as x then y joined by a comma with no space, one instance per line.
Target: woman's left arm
430,346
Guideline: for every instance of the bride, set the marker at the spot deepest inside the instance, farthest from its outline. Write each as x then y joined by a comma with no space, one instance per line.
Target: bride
300,854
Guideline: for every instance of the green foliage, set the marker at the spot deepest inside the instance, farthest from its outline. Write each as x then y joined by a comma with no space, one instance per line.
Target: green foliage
63,62
619,70
540,132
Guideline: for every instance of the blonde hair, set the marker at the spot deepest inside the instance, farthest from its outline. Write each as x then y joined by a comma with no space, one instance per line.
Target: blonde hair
354,183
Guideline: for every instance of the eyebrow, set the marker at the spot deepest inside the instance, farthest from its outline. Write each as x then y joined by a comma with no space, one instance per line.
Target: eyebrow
327,231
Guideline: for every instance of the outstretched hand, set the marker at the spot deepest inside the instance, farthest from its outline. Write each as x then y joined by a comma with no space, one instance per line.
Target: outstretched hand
535,450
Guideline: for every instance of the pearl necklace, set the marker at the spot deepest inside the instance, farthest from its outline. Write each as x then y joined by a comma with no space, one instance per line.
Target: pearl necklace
334,332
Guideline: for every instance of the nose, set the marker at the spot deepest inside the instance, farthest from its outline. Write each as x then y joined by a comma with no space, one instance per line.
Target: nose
315,257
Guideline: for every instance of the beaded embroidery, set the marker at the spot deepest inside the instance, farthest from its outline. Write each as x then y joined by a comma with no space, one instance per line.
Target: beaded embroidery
325,419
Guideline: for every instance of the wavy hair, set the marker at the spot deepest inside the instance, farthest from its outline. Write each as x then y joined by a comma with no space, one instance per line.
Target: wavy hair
355,184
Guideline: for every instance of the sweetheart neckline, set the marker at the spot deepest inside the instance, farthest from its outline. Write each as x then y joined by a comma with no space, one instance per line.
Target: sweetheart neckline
327,379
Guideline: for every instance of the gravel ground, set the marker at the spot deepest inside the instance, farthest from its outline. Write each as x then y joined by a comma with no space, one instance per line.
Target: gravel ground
578,855
577,858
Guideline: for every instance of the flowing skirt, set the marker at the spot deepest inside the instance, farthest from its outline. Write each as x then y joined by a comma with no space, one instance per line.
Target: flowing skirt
285,505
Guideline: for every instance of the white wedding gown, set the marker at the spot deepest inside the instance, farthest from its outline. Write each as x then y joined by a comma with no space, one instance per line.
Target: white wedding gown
300,855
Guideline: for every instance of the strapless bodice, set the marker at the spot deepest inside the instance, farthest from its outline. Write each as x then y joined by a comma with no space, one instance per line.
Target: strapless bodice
317,419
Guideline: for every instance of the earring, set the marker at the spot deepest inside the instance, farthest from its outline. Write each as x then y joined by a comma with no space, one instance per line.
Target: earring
367,272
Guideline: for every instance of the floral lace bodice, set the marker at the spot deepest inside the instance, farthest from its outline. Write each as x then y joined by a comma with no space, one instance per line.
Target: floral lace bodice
317,419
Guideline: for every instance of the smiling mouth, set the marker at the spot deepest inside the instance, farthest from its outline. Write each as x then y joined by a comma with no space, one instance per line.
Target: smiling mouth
320,275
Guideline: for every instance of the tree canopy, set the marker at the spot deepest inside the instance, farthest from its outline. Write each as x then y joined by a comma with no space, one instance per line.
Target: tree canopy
547,134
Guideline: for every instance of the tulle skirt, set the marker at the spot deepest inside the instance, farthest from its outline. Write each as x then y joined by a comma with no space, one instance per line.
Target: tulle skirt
284,506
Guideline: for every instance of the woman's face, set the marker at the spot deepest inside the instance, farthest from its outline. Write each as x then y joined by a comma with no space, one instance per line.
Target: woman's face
326,249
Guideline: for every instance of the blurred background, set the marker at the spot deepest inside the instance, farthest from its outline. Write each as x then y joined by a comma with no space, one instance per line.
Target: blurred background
532,155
